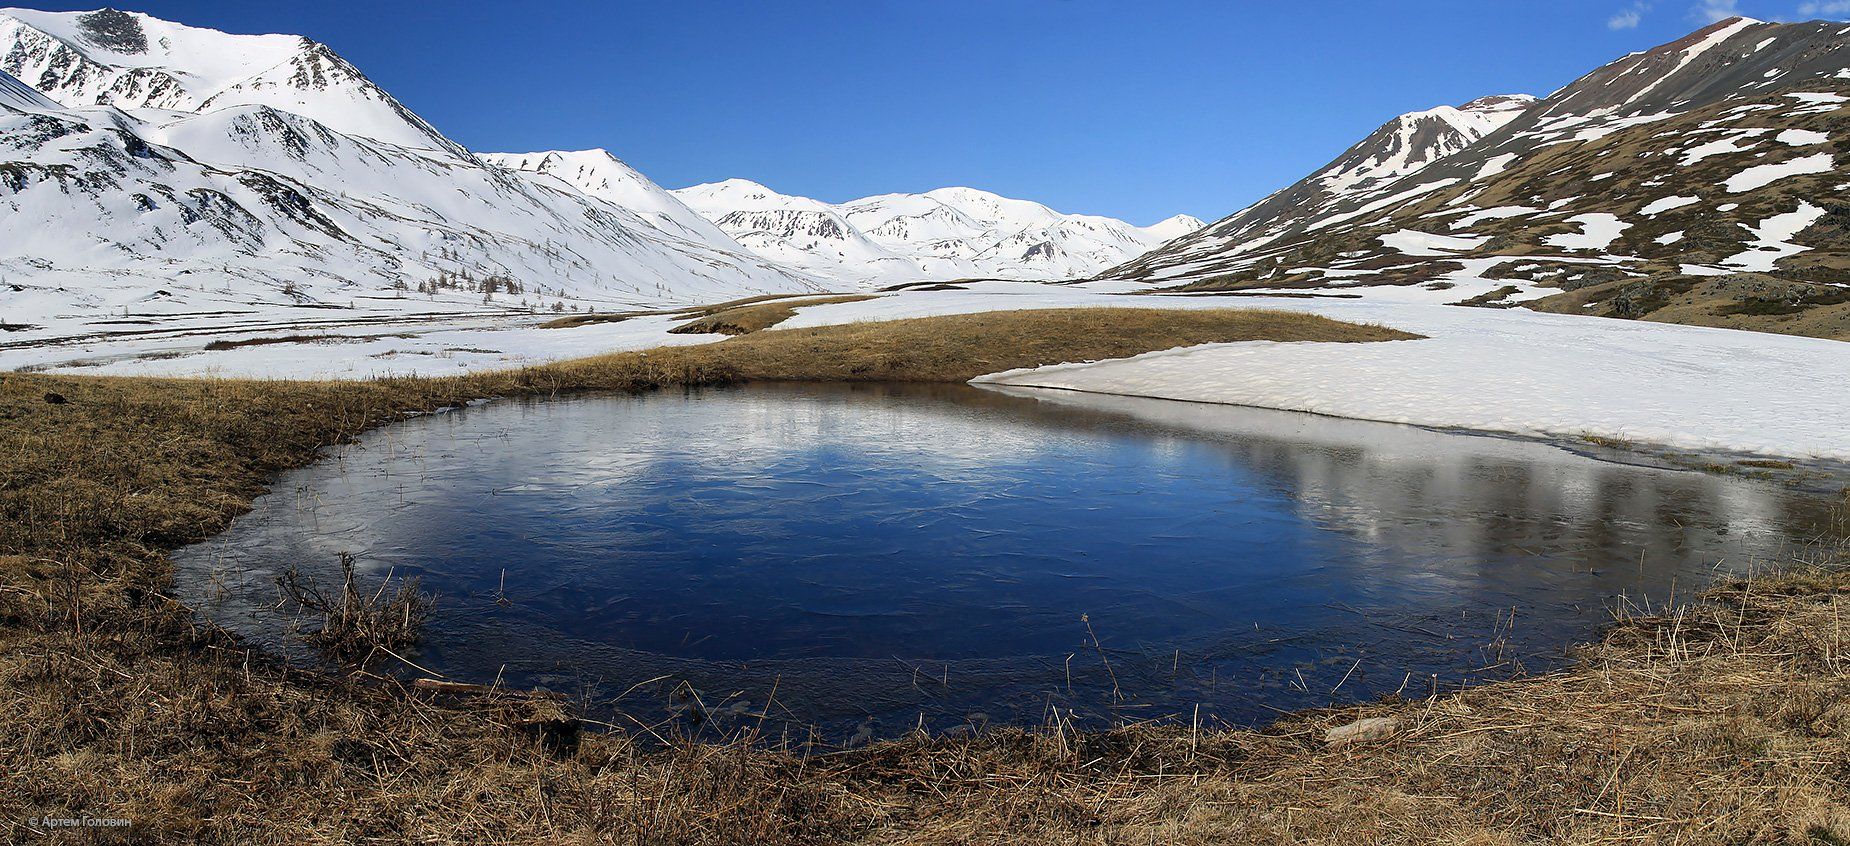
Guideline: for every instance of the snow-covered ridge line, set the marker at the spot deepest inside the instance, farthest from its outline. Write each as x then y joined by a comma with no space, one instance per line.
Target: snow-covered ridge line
948,233
1361,179
1670,184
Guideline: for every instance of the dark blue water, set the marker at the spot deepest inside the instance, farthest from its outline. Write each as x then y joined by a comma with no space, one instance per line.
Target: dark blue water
890,556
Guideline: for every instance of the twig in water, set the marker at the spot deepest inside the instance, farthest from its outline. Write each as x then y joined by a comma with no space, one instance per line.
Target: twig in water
1116,696
1339,685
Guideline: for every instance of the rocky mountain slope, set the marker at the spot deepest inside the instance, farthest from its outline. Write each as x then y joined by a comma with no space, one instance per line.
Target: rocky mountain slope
948,233
1697,182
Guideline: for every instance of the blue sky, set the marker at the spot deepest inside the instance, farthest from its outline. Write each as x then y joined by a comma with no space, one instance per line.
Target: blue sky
1137,110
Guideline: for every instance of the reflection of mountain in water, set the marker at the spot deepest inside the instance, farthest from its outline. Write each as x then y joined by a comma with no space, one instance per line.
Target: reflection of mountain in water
1475,505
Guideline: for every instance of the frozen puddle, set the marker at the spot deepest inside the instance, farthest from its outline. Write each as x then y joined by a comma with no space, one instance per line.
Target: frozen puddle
884,556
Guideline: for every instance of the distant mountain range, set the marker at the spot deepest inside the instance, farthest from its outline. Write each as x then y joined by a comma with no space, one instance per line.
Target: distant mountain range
1698,182
161,168
942,234
887,239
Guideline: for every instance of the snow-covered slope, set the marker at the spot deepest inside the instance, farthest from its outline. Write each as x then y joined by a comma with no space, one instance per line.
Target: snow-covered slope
948,233
602,175
178,195
250,206
1697,182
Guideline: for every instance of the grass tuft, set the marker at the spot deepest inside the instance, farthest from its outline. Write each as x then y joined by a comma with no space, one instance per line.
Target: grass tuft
354,624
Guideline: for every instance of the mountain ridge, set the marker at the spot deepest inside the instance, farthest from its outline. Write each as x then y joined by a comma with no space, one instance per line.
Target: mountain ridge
1695,182
946,233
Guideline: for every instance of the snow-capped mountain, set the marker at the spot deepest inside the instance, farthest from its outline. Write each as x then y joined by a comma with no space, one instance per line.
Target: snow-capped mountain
1398,149
797,232
157,168
948,233
133,61
204,181
1696,182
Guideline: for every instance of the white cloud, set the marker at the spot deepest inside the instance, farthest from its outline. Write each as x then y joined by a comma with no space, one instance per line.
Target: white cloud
1831,7
1717,10
1630,16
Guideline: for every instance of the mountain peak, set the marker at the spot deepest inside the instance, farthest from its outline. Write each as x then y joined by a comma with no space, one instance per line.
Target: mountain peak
961,192
733,187
113,30
1724,23
596,159
1500,103
1709,157
599,174
1175,226
946,233
135,61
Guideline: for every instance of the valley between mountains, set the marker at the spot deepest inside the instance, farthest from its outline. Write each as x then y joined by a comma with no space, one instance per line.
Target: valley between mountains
182,201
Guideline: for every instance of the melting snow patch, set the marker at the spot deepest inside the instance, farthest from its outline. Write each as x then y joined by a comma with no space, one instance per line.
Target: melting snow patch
1415,243
1514,371
1817,102
1802,137
1497,213
1666,204
1772,239
1731,144
1595,133
1597,232
1494,166
1670,238
1382,203
1763,175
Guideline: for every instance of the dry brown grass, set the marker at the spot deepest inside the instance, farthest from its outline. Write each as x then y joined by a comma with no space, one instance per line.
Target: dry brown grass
576,320
746,319
962,347
1725,723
